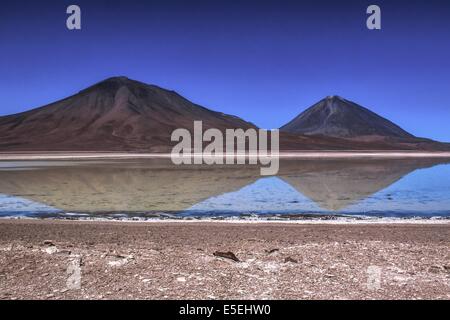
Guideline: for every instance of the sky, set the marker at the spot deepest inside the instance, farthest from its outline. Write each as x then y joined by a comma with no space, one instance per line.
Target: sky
264,61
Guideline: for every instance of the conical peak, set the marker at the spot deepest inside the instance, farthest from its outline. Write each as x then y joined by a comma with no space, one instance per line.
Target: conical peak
113,84
121,81
334,99
338,117
117,78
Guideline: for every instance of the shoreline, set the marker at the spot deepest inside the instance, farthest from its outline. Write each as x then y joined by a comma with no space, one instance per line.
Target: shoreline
177,260
327,154
306,221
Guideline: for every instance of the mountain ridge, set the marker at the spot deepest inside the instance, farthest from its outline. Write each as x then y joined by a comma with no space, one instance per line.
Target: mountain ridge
121,114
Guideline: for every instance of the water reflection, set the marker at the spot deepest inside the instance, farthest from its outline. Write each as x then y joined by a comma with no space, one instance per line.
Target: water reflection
149,187
335,185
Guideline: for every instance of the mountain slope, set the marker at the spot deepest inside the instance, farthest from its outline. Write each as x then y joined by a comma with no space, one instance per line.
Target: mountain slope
341,118
335,123
117,114
120,114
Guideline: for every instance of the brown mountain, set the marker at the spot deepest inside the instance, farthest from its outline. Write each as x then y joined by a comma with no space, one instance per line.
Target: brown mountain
117,114
120,114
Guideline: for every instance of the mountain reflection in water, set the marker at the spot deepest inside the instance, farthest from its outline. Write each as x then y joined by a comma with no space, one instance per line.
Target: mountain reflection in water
152,187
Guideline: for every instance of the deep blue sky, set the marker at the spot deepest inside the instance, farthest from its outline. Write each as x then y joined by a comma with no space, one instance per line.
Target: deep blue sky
265,61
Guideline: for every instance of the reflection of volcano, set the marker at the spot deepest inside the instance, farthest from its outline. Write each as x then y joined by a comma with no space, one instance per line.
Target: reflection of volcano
124,187
159,186
336,184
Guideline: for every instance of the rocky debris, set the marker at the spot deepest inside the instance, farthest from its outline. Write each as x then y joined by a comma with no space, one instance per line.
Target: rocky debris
227,255
272,251
50,247
65,251
120,260
117,263
333,261
51,250
119,255
289,259
435,269
74,273
7,248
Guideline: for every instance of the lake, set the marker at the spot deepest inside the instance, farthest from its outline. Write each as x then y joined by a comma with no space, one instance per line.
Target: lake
154,189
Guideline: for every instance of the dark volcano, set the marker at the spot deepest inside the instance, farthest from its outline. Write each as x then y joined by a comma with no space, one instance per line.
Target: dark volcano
335,123
341,118
117,114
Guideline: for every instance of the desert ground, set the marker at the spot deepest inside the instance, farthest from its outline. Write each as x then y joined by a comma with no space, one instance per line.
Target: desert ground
58,259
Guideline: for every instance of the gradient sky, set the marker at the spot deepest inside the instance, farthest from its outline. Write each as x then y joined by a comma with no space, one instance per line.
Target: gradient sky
265,61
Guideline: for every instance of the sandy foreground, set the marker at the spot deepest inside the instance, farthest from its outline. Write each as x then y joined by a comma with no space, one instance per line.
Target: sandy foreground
55,259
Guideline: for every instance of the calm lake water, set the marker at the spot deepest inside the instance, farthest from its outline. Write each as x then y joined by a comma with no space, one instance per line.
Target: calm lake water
158,189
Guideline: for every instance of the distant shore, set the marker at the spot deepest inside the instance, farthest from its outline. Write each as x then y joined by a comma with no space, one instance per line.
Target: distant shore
349,154
178,260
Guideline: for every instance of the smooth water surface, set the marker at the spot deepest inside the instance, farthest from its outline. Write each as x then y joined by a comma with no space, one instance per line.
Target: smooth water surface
157,189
